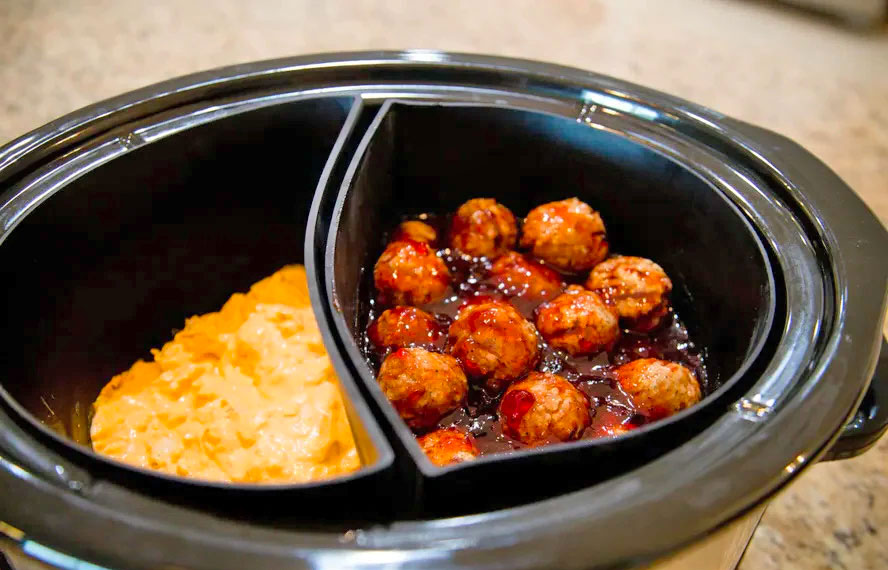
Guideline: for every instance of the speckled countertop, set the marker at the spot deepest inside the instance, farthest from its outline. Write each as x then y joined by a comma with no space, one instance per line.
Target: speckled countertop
800,75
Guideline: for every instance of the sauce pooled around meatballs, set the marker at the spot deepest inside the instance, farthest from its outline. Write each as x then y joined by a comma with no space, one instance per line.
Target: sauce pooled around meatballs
489,336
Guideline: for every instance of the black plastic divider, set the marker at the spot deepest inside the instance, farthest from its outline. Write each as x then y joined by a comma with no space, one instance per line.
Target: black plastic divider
419,158
392,495
125,251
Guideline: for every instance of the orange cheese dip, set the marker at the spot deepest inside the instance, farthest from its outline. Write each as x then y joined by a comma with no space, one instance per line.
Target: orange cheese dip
246,395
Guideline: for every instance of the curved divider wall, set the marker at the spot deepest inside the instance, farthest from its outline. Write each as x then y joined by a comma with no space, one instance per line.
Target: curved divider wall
429,158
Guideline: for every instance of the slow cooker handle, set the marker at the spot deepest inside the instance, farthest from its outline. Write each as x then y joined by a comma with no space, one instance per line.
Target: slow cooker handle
870,421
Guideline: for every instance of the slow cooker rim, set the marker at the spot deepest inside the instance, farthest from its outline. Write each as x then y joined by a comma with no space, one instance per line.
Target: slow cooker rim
117,142
860,328
191,116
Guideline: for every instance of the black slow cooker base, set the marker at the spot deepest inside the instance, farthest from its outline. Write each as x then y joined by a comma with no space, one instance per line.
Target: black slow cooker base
749,442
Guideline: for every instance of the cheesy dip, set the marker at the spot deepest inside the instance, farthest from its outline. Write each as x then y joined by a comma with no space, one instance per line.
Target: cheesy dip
245,395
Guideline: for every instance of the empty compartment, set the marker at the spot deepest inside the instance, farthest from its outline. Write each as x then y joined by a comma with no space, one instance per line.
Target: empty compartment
112,264
421,158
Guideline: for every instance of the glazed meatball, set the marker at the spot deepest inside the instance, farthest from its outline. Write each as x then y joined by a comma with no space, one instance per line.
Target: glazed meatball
494,343
483,228
415,230
422,385
410,273
578,322
543,408
657,387
637,287
449,445
515,275
403,326
568,235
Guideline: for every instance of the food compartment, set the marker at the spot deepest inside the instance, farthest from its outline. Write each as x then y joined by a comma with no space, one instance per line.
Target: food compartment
114,262
421,161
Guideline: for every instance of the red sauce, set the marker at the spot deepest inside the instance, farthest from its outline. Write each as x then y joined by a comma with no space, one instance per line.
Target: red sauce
514,405
419,247
611,409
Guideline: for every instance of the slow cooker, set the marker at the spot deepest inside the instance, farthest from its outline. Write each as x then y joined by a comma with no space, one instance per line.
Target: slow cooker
122,219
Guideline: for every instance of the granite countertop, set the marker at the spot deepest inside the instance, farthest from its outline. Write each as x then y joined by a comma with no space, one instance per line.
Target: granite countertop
824,86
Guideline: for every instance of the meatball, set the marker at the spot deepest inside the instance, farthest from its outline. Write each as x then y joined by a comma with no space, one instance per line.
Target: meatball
657,387
410,273
637,287
449,445
415,230
403,326
515,275
568,235
578,322
483,228
422,385
542,408
494,343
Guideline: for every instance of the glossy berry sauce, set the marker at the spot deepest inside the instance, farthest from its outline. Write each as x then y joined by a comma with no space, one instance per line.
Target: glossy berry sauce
611,409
